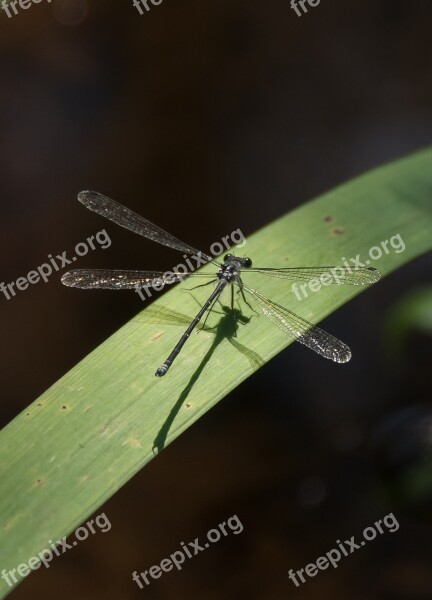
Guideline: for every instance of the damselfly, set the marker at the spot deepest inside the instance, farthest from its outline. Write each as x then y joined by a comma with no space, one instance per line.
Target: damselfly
231,271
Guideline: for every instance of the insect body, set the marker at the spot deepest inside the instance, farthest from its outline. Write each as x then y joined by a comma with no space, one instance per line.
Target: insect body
229,274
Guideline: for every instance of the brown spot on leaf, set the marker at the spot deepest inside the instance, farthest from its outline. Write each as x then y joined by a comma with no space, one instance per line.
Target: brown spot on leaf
40,482
132,442
328,219
64,407
338,231
156,336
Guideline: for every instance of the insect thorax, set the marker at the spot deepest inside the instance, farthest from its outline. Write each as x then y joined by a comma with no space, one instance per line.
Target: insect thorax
230,270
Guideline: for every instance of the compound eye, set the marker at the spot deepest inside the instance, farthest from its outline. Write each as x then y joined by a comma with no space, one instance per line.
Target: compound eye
247,262
228,256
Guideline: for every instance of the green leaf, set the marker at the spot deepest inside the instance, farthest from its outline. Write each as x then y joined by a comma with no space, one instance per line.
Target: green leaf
86,436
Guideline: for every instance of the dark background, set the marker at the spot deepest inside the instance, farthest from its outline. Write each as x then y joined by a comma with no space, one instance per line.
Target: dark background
204,117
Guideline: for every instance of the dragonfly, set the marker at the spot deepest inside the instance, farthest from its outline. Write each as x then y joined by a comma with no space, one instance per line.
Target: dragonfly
230,274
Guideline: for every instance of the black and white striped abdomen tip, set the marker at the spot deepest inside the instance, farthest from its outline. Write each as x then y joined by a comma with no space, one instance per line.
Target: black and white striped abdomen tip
162,370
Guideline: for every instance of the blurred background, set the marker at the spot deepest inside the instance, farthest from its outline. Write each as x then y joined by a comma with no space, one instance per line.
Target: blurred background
205,117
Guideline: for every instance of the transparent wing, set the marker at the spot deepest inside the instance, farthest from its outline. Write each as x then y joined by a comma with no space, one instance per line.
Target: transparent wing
119,214
106,279
337,275
304,332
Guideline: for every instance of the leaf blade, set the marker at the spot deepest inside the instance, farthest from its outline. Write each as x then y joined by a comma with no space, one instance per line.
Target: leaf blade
98,425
